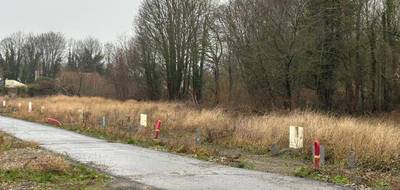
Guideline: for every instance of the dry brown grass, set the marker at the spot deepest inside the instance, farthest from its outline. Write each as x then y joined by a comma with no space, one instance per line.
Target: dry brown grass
23,165
375,141
17,155
49,163
33,160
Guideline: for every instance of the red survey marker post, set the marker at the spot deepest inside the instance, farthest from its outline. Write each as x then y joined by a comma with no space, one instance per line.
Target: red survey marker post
317,154
157,129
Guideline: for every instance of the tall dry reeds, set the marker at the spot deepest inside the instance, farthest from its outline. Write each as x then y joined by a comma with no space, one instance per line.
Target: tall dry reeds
376,142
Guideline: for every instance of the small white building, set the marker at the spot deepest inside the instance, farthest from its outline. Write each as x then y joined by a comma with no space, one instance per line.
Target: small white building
12,87
11,84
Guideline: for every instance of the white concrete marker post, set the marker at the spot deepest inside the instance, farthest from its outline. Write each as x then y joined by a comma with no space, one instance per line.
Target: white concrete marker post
4,103
143,120
104,122
296,137
198,136
30,107
81,112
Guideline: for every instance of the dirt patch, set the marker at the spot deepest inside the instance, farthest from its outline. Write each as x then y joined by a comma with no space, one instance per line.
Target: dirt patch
274,164
125,184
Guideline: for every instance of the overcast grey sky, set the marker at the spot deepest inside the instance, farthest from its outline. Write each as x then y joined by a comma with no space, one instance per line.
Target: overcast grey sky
103,19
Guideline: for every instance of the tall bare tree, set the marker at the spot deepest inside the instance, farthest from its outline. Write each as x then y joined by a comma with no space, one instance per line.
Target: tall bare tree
178,31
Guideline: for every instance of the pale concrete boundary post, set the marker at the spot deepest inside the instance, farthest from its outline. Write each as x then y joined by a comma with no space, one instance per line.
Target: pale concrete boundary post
81,115
198,136
296,137
104,122
143,120
30,107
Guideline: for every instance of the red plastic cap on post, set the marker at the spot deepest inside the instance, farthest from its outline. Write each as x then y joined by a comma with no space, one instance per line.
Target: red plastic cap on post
317,154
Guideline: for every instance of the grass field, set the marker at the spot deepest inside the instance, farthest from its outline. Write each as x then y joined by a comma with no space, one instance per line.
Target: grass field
24,166
375,140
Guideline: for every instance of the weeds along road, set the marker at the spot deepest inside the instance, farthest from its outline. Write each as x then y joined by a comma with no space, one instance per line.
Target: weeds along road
151,168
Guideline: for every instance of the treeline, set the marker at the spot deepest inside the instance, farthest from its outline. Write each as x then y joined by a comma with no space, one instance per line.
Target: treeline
336,55
333,55
29,57
22,56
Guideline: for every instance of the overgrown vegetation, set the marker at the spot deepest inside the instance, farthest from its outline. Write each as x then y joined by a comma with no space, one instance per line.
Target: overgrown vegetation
375,140
277,59
337,55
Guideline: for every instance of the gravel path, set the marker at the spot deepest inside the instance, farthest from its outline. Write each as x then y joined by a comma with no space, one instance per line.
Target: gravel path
152,168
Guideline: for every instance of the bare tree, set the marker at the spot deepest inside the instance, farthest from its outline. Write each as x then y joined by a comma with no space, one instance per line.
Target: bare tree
178,30
11,49
51,46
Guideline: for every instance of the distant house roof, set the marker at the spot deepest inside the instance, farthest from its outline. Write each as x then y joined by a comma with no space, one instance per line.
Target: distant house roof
14,84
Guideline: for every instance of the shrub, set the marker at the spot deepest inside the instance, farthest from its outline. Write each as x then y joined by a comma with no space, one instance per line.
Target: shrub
43,87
